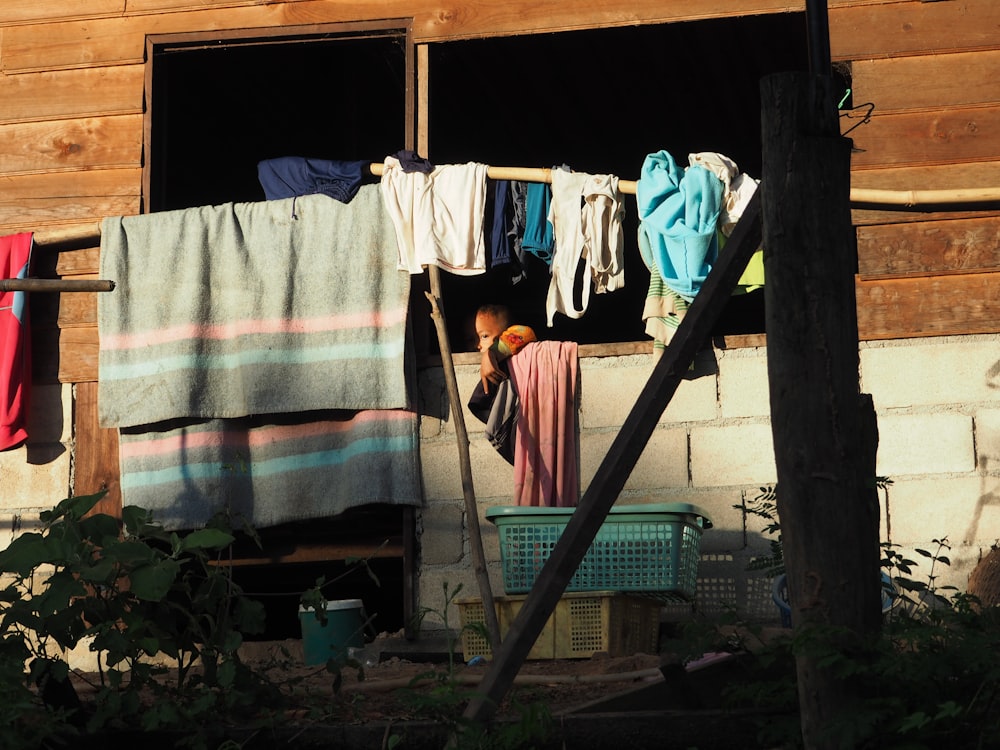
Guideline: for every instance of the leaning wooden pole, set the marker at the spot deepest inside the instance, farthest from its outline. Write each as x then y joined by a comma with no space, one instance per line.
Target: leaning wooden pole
823,429
465,464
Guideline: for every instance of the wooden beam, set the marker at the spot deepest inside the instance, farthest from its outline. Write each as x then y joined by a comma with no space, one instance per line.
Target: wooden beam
307,552
56,285
824,442
621,458
96,459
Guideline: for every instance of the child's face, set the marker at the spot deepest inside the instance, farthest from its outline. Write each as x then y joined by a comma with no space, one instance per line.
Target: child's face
488,328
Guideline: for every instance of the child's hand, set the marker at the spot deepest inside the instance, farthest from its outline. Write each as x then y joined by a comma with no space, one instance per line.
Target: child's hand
489,372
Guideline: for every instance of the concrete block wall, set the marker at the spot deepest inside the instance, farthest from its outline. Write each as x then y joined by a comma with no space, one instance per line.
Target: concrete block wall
36,475
938,407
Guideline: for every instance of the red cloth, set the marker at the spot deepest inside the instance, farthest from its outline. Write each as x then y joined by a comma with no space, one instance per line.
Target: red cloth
15,342
545,463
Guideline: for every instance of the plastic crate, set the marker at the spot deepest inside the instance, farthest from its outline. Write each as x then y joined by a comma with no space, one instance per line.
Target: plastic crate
649,549
582,625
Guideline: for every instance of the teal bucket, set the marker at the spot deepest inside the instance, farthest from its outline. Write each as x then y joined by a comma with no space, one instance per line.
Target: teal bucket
344,629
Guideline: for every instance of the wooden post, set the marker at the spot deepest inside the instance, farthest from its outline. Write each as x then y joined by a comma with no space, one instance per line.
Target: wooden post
824,430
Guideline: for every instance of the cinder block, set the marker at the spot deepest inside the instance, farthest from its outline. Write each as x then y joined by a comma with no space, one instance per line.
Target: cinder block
663,463
50,418
34,476
732,455
987,441
442,533
934,443
743,388
939,371
726,534
440,468
608,393
961,509
492,476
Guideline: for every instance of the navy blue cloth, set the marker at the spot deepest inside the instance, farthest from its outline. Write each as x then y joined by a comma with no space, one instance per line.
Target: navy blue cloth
409,161
292,176
499,239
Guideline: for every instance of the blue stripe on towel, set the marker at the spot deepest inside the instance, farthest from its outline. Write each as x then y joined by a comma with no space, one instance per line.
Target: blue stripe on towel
270,467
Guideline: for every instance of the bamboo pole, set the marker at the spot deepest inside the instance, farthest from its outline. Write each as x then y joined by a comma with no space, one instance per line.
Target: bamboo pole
859,196
924,197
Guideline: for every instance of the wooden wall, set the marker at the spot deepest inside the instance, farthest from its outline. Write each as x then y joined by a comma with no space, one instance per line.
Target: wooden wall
932,71
71,128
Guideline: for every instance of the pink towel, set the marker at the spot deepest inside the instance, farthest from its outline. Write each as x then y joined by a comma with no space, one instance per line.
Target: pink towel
15,342
545,463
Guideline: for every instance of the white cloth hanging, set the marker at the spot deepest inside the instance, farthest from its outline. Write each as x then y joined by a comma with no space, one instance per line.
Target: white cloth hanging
438,216
586,217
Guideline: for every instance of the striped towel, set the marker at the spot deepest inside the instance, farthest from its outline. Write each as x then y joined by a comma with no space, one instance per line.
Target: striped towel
268,471
240,309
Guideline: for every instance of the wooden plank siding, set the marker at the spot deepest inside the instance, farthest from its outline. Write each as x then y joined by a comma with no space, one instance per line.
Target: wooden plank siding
121,40
928,82
939,136
67,145
65,94
96,453
902,29
71,128
931,247
930,70
928,306
31,202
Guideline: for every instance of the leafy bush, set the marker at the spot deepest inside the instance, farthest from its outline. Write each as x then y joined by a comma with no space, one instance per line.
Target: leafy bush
931,675
133,591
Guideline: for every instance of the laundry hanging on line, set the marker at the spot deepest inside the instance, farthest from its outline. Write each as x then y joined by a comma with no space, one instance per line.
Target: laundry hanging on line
15,342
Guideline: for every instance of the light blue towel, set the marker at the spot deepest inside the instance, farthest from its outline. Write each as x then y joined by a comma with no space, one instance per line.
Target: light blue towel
679,213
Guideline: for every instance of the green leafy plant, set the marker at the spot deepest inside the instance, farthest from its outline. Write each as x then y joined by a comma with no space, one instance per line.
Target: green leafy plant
764,505
930,675
132,591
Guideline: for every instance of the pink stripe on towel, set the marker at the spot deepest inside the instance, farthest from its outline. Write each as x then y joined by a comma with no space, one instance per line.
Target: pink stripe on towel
546,470
160,446
224,331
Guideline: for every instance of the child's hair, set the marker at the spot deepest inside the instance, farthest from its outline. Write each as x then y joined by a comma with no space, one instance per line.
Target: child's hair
500,312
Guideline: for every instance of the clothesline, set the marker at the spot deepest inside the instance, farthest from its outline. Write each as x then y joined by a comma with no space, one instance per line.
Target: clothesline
864,196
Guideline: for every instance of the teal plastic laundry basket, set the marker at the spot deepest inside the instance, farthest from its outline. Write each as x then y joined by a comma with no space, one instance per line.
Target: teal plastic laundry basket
649,549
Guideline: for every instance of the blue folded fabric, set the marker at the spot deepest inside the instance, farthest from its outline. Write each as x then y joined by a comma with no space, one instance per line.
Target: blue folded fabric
539,237
679,214
292,176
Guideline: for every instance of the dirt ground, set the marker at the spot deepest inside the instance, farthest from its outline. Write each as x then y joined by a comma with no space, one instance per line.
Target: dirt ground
399,688
393,687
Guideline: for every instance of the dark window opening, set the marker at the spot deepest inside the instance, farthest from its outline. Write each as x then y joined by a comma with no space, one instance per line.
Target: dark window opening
217,107
600,101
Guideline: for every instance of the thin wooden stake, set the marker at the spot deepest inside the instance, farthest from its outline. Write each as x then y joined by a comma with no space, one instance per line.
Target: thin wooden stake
468,490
